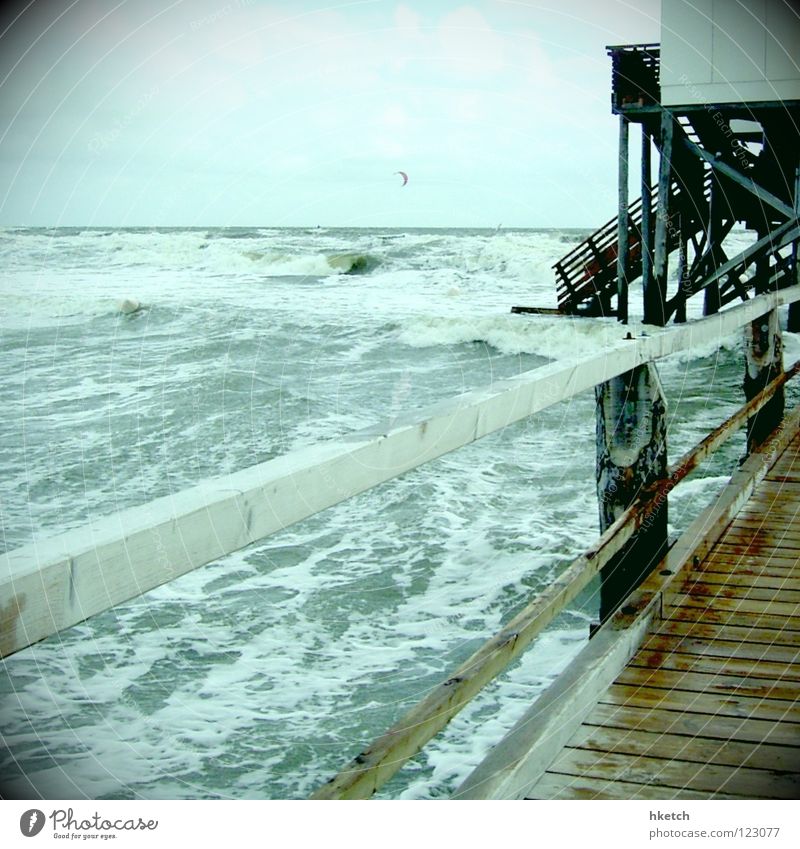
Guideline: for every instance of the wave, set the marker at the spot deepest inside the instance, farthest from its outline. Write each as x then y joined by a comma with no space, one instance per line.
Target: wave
312,265
553,338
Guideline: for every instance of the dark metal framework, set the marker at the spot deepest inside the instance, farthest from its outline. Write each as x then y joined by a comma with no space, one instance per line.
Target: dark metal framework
712,175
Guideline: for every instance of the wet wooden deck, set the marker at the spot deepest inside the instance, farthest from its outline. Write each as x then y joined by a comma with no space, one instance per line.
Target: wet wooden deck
709,705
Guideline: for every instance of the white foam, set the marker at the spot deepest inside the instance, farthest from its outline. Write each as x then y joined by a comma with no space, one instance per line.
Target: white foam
556,338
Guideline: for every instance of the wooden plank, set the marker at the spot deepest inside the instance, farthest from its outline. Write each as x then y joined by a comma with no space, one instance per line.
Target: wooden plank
57,582
769,563
660,772
736,605
709,726
753,538
746,579
720,572
776,527
777,516
775,512
728,589
701,682
779,486
773,495
760,548
740,667
784,479
687,749
786,467
557,786
721,648
776,710
746,566
694,625
773,502
792,455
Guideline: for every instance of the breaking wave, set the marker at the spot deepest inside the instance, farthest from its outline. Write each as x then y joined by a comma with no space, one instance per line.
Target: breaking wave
313,265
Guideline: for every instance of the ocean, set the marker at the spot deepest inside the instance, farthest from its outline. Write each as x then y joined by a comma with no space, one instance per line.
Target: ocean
139,361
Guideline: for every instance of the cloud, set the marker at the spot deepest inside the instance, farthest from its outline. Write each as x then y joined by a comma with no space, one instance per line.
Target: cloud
408,21
468,45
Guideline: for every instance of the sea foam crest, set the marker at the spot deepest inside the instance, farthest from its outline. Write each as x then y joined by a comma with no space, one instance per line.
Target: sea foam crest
555,338
311,265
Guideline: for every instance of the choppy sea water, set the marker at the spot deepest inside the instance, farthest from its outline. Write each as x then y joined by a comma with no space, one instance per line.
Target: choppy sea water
262,674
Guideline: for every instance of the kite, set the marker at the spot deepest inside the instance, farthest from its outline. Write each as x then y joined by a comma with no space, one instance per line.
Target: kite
403,175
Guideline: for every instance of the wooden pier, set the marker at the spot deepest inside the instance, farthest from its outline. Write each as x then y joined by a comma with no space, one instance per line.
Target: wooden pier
690,684
708,704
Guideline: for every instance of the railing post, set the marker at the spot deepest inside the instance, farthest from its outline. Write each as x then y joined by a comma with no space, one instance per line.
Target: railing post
622,223
631,453
655,295
711,294
647,212
793,324
683,274
763,354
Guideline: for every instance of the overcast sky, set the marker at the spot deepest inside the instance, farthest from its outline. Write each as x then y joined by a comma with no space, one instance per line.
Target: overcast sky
255,112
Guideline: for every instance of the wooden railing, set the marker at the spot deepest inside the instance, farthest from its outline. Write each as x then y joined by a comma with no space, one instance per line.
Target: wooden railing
58,582
370,769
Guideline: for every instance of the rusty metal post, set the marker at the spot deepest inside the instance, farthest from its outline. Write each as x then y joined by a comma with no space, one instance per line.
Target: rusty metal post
631,454
647,213
793,324
683,274
763,354
711,294
622,223
655,296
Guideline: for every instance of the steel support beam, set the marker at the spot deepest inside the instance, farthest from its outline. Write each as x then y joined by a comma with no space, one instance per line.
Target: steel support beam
622,223
655,295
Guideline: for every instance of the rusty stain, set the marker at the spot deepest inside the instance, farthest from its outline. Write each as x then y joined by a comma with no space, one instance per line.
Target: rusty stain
9,616
655,659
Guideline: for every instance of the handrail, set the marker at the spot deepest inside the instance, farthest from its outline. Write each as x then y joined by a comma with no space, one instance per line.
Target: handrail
374,766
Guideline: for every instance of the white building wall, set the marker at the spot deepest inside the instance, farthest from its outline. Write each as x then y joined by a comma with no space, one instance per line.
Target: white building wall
729,51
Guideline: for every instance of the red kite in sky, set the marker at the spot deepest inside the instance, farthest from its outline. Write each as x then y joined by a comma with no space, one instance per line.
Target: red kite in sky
403,175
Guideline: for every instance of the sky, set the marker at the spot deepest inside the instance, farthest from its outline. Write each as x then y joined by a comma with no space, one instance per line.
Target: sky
262,113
